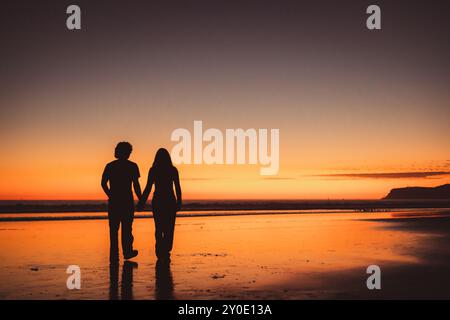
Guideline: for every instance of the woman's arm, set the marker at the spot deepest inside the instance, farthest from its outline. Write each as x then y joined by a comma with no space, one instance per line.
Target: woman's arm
147,190
178,189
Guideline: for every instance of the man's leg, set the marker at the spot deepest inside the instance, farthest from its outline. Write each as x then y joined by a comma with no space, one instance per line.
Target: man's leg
113,237
127,234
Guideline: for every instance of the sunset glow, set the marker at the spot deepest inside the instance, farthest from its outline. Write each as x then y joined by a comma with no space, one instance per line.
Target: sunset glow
350,106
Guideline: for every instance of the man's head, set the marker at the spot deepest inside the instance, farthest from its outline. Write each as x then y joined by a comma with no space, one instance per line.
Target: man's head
123,150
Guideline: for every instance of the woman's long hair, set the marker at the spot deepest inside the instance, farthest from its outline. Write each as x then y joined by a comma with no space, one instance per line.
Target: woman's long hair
162,162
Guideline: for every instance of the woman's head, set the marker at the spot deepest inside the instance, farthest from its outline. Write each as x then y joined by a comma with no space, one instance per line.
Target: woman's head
162,159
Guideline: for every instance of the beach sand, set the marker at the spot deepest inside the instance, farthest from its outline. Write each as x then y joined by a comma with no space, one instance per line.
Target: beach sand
286,256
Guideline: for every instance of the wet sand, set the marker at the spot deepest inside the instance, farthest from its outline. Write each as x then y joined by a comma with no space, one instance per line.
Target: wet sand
289,256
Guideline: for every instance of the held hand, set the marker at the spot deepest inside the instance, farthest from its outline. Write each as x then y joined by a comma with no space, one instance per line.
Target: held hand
179,206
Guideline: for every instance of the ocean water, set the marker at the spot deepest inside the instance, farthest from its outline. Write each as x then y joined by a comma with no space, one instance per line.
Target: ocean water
49,216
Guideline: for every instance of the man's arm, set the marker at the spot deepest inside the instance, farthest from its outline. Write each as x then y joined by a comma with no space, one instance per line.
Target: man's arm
137,188
136,184
105,179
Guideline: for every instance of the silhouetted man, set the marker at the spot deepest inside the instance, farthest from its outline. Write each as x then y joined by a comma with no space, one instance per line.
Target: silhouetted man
121,174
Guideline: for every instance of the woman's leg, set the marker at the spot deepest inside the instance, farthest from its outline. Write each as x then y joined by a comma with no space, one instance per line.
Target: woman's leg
164,212
158,233
170,230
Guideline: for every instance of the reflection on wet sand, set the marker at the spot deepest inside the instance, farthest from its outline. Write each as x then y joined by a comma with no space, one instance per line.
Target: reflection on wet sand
163,281
126,286
234,257
114,281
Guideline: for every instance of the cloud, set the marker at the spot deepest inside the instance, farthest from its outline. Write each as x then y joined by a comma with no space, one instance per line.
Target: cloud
386,175
200,179
278,178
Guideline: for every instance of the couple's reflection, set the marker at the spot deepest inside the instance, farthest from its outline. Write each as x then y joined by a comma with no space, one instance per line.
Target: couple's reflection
126,286
163,280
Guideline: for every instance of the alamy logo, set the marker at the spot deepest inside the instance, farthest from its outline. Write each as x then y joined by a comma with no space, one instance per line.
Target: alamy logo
73,22
230,148
374,280
373,22
74,280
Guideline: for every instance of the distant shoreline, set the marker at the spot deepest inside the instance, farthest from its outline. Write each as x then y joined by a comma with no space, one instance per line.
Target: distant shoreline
141,215
57,206
36,217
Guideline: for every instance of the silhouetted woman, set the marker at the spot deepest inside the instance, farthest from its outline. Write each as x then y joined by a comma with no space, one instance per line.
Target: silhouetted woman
164,204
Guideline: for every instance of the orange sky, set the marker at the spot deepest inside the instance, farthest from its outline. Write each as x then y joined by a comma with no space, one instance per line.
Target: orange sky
68,174
61,155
